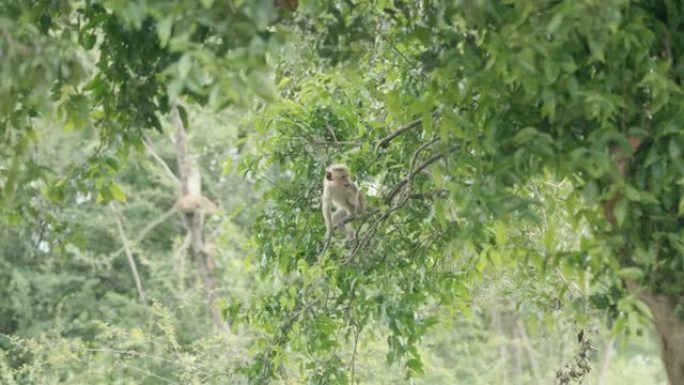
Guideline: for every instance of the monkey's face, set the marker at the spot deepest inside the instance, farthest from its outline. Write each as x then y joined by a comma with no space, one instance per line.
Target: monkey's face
339,177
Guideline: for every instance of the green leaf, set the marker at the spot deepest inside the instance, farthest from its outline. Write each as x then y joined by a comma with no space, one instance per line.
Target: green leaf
632,194
415,366
630,273
674,149
555,22
525,135
590,192
164,30
117,192
501,234
620,212
77,112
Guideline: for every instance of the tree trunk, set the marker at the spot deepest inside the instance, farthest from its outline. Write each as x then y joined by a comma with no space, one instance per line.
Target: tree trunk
670,329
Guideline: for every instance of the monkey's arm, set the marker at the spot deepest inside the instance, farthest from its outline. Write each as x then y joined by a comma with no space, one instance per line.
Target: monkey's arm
327,217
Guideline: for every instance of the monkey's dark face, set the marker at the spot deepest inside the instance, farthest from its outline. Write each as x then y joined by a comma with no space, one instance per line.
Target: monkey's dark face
339,177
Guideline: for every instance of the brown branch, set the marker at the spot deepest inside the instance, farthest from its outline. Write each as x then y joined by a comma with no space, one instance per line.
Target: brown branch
374,229
395,190
129,254
385,141
414,159
439,193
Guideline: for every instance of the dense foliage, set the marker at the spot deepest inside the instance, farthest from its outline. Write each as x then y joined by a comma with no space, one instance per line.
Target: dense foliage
524,141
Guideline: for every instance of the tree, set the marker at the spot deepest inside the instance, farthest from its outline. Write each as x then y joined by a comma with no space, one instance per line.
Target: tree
581,92
452,111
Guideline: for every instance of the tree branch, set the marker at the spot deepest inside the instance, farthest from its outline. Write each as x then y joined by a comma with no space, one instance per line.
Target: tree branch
146,230
385,141
439,193
352,366
190,183
395,190
160,161
129,254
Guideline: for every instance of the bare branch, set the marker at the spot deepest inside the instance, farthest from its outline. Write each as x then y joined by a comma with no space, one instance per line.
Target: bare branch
414,159
385,141
146,230
394,47
129,254
439,193
331,131
395,190
352,366
160,161
321,142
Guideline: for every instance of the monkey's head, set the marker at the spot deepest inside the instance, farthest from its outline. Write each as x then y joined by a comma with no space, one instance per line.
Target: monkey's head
338,173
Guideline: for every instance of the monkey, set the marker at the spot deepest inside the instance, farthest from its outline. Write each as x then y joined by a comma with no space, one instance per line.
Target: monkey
192,203
344,194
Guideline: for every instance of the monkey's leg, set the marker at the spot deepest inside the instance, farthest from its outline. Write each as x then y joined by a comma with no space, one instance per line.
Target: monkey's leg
337,219
348,230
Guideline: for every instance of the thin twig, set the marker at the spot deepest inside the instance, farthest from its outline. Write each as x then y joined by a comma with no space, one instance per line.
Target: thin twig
353,360
148,373
321,142
144,355
414,159
129,254
178,257
332,132
160,161
394,47
395,190
439,193
374,227
147,229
